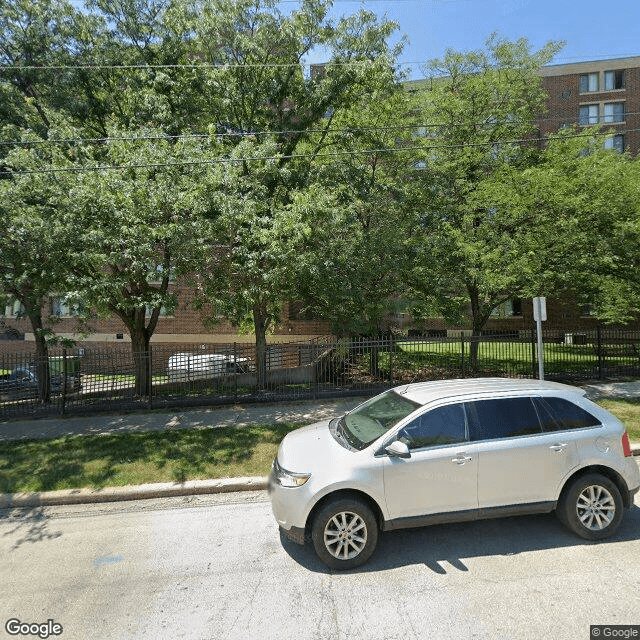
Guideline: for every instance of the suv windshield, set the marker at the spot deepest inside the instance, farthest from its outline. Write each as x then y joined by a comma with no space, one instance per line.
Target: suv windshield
374,418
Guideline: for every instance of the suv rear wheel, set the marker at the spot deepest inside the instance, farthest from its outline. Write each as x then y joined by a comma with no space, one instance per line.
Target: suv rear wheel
592,507
344,533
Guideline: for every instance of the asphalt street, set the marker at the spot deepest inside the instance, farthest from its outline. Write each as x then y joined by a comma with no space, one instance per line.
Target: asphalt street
215,567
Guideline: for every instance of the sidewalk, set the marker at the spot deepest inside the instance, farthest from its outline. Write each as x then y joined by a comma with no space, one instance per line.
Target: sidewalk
303,412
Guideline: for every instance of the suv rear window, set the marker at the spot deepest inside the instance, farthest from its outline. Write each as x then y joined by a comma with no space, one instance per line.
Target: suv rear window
565,415
503,418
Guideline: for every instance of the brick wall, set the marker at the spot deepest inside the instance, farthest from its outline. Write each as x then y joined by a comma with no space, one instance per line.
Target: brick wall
562,83
185,325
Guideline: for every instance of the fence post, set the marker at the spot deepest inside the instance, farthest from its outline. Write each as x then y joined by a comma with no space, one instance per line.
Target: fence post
150,374
600,358
391,349
235,365
533,353
462,354
64,382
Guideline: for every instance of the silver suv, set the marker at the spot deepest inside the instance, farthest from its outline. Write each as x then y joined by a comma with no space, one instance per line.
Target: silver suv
451,451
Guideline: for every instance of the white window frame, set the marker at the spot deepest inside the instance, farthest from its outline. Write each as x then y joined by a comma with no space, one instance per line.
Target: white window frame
13,309
611,74
610,142
61,307
610,118
593,82
591,118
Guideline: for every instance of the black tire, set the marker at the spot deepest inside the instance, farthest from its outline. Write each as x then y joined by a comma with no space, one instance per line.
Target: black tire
591,507
344,533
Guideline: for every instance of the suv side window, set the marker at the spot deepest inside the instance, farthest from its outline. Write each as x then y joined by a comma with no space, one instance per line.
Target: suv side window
443,425
503,418
567,415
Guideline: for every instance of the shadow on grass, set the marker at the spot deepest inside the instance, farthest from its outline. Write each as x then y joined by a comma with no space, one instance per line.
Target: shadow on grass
102,460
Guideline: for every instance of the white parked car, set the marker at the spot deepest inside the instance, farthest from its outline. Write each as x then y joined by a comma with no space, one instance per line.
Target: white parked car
183,367
451,451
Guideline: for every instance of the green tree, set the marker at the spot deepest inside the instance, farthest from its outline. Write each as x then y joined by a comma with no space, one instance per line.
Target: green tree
364,201
580,234
135,222
482,106
252,82
35,246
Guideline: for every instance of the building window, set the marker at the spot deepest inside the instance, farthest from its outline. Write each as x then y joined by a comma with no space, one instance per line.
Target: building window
589,82
156,272
508,309
164,311
14,309
614,80
588,114
64,308
614,112
615,142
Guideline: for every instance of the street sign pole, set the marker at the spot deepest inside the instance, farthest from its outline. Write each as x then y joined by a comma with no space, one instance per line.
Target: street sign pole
540,315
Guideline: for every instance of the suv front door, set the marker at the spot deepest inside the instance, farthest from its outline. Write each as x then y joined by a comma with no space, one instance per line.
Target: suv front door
441,474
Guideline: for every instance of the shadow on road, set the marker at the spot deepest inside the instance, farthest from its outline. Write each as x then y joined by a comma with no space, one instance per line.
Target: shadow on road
28,525
443,548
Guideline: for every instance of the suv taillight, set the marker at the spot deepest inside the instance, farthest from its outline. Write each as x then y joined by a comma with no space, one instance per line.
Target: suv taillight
626,447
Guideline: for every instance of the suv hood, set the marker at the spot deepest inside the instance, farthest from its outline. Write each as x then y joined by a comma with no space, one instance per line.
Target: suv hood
310,448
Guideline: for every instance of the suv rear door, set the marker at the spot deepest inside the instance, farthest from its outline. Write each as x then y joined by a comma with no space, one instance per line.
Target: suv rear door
517,461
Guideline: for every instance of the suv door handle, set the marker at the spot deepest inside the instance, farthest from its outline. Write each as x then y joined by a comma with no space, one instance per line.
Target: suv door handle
461,459
560,446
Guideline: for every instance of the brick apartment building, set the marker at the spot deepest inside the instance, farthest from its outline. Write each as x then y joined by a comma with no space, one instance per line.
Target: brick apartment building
185,326
605,92
583,93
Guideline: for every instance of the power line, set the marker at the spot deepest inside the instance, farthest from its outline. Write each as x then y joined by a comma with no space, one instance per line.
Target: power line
343,130
198,65
227,160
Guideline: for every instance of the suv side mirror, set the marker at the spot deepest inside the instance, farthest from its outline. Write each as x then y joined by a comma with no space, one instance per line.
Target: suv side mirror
398,449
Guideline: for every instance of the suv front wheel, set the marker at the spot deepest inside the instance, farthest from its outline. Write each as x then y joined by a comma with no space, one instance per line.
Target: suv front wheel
592,507
344,533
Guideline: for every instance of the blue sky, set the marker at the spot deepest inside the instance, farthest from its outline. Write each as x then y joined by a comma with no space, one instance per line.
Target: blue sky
591,30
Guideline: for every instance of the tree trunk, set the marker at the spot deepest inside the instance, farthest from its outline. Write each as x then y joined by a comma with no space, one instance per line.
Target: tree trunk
42,357
260,324
140,348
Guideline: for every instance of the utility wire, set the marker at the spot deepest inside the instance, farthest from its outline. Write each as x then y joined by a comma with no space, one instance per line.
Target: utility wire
596,57
198,65
227,160
251,134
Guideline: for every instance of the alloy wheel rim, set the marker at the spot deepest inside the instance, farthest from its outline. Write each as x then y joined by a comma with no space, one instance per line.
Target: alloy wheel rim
595,507
345,535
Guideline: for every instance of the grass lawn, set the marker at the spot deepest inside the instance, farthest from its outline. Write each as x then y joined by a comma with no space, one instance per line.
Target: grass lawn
628,411
168,456
137,458
121,377
501,356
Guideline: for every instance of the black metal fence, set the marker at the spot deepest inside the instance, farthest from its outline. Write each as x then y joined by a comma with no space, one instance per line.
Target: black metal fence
87,380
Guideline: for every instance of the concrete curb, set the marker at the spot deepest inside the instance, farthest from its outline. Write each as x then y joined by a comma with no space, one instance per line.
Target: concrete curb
145,491
133,492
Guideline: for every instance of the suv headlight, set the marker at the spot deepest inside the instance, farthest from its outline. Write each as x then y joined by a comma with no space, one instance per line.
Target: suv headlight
288,478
